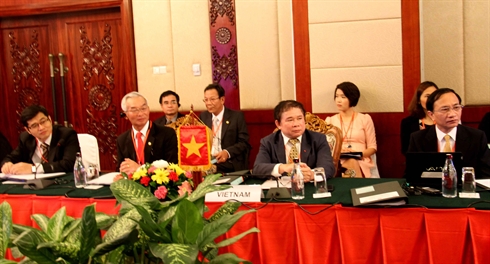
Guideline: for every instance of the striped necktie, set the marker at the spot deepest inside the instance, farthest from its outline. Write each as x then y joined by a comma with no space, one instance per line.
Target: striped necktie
45,152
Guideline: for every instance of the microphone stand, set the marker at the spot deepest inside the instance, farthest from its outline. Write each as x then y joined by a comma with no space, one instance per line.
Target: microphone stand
278,192
37,184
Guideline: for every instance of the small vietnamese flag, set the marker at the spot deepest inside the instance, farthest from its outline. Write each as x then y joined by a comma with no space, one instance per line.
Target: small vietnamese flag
194,150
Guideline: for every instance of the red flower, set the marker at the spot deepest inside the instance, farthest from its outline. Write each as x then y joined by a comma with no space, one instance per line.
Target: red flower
145,180
185,187
151,169
188,174
130,176
173,176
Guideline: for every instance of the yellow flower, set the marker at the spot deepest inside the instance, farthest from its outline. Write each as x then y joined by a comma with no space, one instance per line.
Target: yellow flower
139,173
161,176
176,168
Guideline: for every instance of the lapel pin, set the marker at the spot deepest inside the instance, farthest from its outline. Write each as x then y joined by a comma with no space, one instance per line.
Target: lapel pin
227,122
149,143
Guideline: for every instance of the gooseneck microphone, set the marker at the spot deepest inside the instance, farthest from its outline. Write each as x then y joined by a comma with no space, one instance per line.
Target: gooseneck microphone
37,184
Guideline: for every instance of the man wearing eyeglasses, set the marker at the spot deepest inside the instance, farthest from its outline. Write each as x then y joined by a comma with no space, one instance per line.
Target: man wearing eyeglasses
145,141
444,107
43,147
170,103
230,148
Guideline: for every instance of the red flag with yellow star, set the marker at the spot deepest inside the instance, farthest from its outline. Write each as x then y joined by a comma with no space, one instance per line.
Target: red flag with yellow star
194,148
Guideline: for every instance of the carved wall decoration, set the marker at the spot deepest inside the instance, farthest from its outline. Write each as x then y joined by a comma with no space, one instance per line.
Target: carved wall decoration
220,8
225,66
222,28
26,72
223,35
101,113
100,97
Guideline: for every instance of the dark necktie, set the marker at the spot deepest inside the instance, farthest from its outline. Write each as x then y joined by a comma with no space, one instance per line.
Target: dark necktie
45,152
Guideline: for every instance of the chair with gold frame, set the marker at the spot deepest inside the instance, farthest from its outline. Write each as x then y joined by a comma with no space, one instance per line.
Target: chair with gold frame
333,134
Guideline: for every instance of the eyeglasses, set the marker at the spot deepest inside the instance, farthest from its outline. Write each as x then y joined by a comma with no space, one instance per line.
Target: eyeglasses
137,110
447,109
36,125
173,102
210,99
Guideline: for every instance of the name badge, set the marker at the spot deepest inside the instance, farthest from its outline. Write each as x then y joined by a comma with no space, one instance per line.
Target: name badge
242,193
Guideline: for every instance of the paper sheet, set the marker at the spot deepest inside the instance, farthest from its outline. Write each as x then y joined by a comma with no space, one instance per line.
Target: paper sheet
31,176
105,179
283,182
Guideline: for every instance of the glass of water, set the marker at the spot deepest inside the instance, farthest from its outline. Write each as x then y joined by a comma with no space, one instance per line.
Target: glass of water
320,180
468,179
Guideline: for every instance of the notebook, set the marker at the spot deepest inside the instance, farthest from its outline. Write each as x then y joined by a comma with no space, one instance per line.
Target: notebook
425,168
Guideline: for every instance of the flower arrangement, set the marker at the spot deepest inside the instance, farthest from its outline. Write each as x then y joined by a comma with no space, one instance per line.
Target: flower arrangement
166,181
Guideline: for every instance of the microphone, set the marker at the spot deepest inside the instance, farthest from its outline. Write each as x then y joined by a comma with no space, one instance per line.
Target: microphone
37,184
276,192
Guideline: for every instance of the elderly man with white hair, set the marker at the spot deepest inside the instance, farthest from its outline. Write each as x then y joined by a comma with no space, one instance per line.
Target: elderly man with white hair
145,141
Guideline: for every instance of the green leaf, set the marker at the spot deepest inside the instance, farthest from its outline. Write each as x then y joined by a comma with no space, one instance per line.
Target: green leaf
234,239
187,223
207,186
104,221
27,243
228,258
151,228
166,214
42,221
61,249
175,253
218,227
229,208
105,247
6,228
56,224
135,193
115,256
70,229
6,261
89,233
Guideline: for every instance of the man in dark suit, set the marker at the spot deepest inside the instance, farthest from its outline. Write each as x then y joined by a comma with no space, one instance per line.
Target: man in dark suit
230,135
485,125
145,141
42,147
5,147
444,107
312,147
170,103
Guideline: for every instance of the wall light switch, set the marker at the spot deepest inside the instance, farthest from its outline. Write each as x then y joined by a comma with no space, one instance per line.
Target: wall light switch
196,69
163,69
156,70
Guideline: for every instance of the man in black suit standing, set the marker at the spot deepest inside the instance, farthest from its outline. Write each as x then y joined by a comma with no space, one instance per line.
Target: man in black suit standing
310,147
230,135
170,103
444,107
144,141
43,147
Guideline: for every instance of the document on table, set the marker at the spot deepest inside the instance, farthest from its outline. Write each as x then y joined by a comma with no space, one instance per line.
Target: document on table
485,183
105,179
283,182
21,178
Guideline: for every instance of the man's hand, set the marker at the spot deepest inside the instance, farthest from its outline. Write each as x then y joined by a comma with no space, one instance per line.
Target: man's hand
222,156
6,168
286,168
21,168
128,166
307,172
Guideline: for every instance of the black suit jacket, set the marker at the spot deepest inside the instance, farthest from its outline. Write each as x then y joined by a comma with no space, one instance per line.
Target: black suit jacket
485,126
163,120
472,143
62,150
234,138
5,147
160,144
315,152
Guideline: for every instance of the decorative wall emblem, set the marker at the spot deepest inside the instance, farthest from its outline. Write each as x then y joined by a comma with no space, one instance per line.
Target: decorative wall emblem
100,97
220,8
223,35
225,66
28,96
25,62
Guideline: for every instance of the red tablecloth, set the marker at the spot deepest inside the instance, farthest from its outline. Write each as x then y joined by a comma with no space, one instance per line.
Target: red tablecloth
288,234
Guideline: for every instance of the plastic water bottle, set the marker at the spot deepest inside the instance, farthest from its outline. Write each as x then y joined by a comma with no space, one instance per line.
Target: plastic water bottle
449,178
297,182
79,173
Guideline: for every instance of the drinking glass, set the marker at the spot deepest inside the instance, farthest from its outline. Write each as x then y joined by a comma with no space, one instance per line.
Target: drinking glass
320,180
469,184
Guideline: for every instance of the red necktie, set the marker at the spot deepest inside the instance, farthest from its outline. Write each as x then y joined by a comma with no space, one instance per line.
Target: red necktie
141,148
44,154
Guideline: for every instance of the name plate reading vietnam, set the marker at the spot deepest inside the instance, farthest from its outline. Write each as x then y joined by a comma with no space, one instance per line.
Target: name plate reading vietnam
242,193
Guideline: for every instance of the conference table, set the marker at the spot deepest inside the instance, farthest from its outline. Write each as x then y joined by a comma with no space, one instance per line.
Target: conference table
428,229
